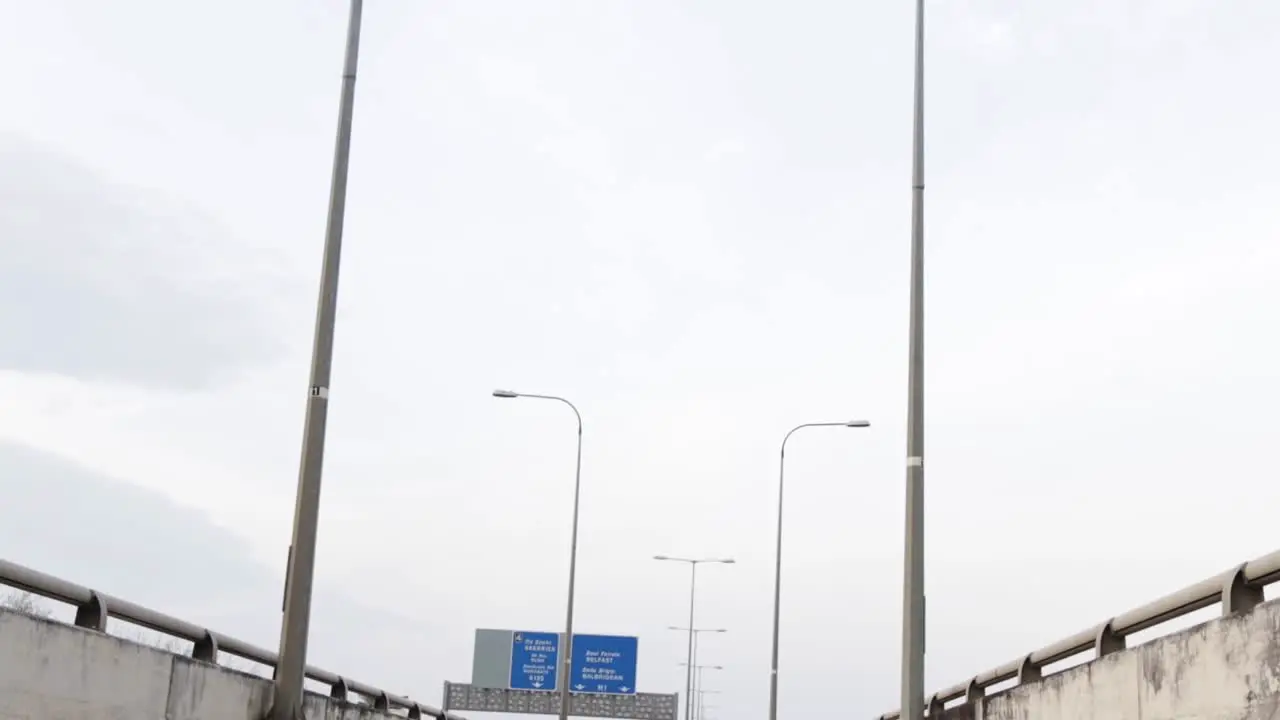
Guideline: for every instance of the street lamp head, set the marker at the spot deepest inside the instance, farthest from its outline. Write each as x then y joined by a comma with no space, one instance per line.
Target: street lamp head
661,557
858,424
729,561
505,394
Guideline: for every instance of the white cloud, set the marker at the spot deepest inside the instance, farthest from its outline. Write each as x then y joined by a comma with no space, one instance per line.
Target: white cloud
726,147
693,222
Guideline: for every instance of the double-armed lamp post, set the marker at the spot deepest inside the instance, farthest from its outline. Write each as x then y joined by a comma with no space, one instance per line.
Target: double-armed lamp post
693,586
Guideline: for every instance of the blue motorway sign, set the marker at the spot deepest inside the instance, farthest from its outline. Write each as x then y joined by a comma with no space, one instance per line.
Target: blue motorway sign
534,658
604,664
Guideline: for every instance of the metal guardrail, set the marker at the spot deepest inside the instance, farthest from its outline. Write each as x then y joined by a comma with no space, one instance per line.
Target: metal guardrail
1238,589
94,608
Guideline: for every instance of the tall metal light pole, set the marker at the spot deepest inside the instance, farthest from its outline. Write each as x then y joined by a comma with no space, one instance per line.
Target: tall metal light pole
299,574
694,632
777,571
697,680
913,608
702,698
698,677
693,586
567,650
702,692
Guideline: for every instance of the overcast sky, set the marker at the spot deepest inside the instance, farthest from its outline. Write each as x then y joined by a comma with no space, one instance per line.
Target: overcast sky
691,219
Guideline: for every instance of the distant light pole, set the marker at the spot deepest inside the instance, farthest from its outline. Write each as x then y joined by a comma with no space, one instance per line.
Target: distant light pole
693,586
689,699
699,669
295,624
702,700
573,548
698,677
913,604
777,574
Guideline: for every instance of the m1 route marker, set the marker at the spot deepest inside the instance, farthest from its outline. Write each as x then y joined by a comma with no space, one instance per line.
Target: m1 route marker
535,657
604,664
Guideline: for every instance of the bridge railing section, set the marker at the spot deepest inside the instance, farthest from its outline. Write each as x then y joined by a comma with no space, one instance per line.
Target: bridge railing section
1238,590
94,608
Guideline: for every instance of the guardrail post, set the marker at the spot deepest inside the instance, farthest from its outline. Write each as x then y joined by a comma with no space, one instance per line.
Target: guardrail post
1107,641
976,697
1238,595
935,707
339,690
1028,671
382,703
206,648
415,712
93,614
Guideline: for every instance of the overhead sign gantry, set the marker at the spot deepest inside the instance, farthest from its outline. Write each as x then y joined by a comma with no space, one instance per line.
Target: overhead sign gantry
516,671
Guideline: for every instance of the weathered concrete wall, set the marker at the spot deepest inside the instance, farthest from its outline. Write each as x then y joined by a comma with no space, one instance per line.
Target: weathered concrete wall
52,671
1227,669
